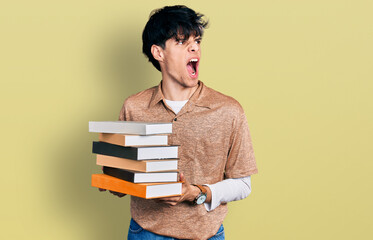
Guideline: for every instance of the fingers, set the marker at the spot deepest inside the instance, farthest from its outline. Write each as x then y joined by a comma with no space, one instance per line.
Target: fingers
170,203
112,192
169,199
181,177
117,194
167,202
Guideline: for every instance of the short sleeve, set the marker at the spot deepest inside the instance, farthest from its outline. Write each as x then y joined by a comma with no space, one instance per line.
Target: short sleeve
123,112
241,160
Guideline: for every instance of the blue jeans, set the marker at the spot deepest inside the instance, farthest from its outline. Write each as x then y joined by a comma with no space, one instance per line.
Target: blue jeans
136,232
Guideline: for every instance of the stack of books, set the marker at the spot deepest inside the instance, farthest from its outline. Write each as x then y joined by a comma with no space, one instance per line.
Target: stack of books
136,159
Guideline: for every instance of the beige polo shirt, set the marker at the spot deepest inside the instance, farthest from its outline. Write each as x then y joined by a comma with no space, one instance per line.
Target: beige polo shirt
215,144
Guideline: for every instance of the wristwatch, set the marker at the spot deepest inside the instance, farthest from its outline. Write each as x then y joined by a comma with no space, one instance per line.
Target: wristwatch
201,197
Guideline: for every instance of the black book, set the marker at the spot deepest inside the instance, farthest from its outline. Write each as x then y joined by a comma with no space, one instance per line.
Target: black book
135,153
139,177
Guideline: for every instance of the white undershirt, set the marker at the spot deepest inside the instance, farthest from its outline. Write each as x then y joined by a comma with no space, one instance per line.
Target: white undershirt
176,106
228,190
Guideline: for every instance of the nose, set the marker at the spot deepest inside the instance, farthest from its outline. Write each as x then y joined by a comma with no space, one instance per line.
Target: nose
193,47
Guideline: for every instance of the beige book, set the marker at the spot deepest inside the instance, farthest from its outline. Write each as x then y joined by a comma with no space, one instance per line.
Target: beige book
133,140
137,165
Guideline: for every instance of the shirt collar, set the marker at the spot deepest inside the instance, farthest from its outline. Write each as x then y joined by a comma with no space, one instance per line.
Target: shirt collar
157,95
198,98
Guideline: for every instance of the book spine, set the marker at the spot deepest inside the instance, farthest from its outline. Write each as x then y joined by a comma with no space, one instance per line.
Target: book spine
114,150
120,173
115,162
117,139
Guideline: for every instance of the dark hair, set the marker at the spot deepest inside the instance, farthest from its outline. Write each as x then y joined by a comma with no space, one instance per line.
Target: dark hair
170,22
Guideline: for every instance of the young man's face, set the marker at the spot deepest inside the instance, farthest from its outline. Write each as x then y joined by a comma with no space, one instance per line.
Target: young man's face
180,61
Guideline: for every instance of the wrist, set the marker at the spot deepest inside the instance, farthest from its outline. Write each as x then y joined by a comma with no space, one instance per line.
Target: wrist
194,192
201,197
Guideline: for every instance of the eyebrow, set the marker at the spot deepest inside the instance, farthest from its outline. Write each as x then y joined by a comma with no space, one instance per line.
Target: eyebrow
199,38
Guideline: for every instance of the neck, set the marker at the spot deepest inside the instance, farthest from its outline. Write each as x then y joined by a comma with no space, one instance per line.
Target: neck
177,92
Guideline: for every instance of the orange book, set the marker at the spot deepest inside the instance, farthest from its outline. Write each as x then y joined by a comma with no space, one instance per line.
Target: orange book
143,190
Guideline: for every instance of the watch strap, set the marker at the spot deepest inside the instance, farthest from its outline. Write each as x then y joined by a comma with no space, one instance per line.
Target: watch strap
201,194
203,190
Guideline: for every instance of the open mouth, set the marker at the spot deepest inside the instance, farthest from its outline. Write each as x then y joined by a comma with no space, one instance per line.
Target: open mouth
192,66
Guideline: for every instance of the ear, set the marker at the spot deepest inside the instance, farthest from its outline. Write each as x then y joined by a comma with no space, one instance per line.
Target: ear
157,52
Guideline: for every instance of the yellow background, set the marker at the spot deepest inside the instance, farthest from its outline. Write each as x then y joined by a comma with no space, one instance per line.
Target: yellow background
302,71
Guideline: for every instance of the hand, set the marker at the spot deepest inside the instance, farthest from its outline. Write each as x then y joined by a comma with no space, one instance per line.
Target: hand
112,192
189,193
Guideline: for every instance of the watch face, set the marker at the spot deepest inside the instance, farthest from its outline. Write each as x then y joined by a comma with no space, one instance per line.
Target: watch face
201,199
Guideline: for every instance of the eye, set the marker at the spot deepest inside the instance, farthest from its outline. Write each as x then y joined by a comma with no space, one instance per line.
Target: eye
180,42
198,41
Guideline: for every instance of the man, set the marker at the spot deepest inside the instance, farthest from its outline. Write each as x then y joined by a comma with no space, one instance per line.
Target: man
216,155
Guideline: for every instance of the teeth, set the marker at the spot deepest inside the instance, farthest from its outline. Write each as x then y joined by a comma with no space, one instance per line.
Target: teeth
194,60
193,73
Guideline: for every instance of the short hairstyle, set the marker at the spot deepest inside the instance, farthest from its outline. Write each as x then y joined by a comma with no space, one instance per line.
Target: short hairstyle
170,22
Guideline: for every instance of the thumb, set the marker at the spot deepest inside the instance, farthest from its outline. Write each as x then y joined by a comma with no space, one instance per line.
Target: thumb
181,177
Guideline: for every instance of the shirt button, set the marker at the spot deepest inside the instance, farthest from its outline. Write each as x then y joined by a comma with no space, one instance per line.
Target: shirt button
175,119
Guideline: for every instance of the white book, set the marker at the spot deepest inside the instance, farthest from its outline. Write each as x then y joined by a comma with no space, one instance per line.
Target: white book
156,191
156,177
147,153
131,127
